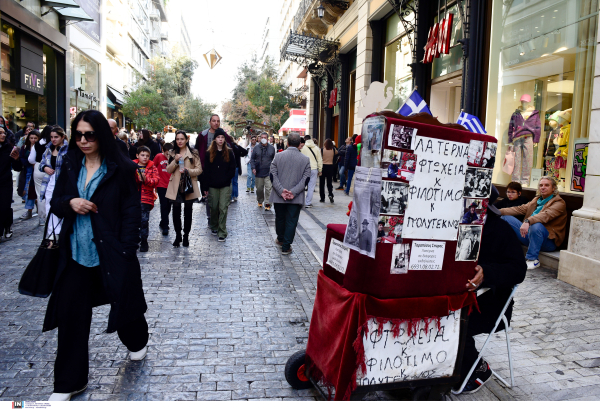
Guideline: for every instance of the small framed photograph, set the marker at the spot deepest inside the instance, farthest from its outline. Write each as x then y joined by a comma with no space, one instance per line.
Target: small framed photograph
469,240
401,137
474,211
478,183
400,258
394,198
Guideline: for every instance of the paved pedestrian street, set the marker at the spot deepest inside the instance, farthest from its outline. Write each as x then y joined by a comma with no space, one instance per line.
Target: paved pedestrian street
225,317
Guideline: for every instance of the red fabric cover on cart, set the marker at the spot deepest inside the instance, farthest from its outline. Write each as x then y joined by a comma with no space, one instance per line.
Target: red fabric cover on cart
338,318
372,276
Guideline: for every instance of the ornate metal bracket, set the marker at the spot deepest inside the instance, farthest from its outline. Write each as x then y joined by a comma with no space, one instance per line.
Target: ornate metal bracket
341,4
404,8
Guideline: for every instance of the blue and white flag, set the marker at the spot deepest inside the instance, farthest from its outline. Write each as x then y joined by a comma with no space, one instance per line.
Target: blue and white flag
471,122
413,105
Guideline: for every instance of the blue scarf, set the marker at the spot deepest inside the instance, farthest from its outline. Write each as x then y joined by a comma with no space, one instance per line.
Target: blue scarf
540,204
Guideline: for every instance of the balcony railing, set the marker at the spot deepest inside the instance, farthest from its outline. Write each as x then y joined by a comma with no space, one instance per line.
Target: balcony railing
302,10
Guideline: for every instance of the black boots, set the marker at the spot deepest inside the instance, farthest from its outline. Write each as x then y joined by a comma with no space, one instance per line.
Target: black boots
177,241
186,242
144,246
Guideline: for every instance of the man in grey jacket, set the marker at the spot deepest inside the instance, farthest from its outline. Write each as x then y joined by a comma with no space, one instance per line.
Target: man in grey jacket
290,169
262,156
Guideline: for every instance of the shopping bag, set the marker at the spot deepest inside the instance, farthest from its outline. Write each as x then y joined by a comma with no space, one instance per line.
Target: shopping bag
186,186
509,161
38,278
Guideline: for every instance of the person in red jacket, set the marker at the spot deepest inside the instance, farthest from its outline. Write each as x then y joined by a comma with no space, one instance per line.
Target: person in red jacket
161,161
147,179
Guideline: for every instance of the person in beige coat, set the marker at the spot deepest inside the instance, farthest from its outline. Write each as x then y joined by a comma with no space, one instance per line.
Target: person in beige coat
183,160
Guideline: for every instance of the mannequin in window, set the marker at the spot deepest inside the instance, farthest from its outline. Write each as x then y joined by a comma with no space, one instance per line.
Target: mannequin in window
524,130
552,146
562,150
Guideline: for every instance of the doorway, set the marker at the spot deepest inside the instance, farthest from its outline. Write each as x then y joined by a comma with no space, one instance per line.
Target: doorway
445,99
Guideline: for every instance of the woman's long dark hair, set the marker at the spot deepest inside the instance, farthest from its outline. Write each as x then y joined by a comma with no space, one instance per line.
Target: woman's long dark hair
147,135
213,151
176,148
328,144
106,141
27,144
45,135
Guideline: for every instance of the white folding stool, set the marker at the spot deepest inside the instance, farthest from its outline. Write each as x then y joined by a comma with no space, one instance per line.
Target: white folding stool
502,317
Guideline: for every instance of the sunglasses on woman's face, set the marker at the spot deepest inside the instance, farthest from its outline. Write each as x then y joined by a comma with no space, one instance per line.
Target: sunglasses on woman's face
90,136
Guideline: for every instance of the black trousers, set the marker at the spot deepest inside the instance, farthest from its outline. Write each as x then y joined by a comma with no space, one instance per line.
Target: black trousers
79,290
6,213
286,220
187,217
165,207
326,174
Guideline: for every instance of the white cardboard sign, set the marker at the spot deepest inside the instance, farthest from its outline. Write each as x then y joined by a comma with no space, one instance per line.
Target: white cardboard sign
420,356
436,192
338,256
427,255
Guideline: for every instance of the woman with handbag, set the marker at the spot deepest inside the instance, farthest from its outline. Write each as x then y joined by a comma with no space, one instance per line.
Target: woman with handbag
184,167
50,164
220,169
35,157
97,198
27,191
9,159
328,153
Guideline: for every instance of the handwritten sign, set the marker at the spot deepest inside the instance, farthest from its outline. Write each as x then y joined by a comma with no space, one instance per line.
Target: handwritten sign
338,256
427,255
436,192
424,355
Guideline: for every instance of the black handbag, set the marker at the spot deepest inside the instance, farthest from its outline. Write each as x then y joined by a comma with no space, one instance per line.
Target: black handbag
186,186
38,278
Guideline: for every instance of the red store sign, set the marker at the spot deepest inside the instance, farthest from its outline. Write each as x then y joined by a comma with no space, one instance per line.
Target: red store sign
438,40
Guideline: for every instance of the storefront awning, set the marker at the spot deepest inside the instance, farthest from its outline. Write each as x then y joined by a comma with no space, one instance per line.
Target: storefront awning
115,95
294,123
73,14
110,104
307,49
60,3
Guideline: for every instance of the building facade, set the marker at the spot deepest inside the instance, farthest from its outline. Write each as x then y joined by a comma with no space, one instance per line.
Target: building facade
499,60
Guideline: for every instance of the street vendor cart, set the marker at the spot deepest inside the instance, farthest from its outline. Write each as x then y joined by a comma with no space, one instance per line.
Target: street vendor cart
391,308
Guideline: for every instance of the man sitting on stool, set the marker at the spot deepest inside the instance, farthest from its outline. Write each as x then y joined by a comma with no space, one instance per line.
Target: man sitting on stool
500,267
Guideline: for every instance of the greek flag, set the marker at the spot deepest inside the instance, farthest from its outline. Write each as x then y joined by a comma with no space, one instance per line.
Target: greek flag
413,105
471,122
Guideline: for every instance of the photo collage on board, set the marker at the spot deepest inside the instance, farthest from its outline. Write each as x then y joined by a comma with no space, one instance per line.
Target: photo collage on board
398,164
476,193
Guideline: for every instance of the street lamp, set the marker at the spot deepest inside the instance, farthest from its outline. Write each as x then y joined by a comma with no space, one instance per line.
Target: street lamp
321,11
270,109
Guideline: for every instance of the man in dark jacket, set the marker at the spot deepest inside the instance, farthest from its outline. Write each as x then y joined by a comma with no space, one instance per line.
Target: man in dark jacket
260,160
341,171
350,163
203,141
501,266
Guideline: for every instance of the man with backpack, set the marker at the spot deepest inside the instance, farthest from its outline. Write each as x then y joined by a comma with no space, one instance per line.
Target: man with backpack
313,153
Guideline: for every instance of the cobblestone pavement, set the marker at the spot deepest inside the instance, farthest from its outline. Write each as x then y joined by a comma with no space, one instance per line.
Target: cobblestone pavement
224,318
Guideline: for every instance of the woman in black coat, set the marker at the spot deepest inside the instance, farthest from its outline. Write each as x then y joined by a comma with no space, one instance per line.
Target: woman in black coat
97,196
501,266
9,159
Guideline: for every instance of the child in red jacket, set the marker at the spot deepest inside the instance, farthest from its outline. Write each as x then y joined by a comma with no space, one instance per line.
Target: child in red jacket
147,179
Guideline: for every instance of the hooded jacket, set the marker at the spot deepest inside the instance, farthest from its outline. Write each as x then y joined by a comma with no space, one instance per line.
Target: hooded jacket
261,159
316,161
351,159
522,127
149,184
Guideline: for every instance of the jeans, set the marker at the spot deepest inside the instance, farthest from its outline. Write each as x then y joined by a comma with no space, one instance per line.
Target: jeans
219,203
187,217
144,230
263,189
537,237
311,186
251,181
326,175
349,181
77,292
342,172
165,207
286,220
234,185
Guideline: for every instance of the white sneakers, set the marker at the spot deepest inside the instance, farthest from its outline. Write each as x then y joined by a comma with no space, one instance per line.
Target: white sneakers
65,396
139,355
533,264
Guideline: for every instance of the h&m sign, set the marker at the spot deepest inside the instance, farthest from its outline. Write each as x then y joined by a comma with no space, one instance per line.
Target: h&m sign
31,65
438,40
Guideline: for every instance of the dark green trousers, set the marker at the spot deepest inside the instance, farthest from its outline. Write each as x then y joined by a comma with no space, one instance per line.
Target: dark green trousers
219,203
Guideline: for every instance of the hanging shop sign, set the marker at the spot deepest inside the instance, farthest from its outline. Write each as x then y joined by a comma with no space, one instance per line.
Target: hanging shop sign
91,28
82,94
32,65
438,40
333,98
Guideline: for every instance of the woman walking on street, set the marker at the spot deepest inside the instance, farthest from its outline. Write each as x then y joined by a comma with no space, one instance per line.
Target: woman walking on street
51,164
328,152
9,159
35,157
183,160
220,169
350,162
28,186
96,196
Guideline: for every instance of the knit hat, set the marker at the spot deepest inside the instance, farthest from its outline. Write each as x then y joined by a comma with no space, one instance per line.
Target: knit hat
220,131
566,115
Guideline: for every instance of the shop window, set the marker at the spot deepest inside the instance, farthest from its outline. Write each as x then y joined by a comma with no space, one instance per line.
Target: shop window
84,83
542,59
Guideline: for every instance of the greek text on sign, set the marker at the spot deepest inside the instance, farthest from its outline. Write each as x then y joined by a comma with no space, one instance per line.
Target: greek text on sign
338,256
423,355
435,194
427,255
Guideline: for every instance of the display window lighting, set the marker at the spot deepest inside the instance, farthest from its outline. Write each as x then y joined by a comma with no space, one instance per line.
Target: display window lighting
521,49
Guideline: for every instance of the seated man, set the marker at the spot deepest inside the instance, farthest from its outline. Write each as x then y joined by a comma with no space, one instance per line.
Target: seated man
500,267
545,221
